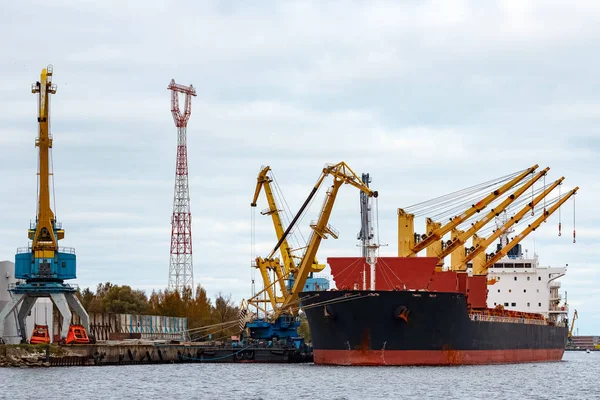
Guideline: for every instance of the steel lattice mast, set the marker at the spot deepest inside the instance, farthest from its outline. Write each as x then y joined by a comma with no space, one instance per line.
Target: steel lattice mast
181,270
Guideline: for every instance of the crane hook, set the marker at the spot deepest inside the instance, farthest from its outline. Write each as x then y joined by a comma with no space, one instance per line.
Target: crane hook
574,241
559,226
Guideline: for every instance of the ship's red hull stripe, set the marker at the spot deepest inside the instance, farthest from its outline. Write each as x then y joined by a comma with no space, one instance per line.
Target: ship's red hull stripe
434,357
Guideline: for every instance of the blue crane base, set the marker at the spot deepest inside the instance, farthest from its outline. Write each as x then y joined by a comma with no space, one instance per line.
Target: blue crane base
41,287
283,328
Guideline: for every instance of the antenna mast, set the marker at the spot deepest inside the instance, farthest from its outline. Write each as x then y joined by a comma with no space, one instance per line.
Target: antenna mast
181,270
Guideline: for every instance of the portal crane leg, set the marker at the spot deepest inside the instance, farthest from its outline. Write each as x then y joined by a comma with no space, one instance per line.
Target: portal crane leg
9,308
26,306
61,303
76,306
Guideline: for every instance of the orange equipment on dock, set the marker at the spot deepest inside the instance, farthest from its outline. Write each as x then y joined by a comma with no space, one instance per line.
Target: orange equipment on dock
40,335
77,335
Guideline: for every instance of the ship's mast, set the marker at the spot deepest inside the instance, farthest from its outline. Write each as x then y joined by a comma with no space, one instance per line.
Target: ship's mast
500,221
366,235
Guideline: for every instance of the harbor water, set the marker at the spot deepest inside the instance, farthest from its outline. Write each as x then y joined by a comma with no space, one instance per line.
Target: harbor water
576,377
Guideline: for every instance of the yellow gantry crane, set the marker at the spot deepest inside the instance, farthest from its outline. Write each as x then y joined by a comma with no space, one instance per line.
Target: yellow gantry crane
43,266
296,274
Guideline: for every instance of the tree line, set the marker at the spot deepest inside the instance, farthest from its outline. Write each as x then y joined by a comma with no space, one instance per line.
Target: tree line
199,309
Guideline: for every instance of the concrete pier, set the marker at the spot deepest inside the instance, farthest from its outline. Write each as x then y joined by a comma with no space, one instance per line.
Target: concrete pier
138,352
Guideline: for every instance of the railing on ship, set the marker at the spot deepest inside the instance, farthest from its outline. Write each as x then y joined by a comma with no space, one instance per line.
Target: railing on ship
493,318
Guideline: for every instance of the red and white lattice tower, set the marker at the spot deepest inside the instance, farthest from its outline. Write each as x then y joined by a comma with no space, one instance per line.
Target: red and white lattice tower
181,269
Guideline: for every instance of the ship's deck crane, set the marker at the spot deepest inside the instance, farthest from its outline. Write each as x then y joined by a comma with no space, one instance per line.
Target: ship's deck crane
480,244
44,266
462,236
279,323
482,270
435,231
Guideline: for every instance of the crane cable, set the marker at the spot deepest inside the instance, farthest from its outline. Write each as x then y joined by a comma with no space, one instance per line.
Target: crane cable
459,193
287,213
559,213
452,209
574,240
252,248
532,206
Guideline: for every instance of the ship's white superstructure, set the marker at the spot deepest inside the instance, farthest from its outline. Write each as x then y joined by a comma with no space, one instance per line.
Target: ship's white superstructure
521,284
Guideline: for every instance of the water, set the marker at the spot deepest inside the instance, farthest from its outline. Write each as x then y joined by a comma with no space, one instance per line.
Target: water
576,377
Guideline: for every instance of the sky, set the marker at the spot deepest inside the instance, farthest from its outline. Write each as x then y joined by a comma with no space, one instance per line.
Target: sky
428,97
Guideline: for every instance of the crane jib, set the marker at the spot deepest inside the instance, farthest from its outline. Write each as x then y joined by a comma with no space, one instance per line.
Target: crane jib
296,217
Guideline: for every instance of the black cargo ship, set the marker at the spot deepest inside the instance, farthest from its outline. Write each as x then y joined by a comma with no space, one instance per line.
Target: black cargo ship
423,328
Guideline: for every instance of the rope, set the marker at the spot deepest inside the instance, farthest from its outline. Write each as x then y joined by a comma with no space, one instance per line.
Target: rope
392,271
213,359
355,263
334,301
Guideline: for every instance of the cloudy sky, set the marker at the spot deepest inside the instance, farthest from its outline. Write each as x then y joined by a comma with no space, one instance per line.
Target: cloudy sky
428,97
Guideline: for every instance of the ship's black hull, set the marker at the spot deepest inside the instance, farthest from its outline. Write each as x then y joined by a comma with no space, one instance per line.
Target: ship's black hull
420,328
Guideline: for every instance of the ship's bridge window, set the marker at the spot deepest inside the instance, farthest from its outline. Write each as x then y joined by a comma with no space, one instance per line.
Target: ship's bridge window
519,265
508,265
527,265
499,265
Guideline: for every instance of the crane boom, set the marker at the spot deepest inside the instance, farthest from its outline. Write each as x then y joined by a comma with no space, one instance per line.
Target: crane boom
457,220
532,227
46,235
482,244
575,316
263,181
462,238
342,174
282,269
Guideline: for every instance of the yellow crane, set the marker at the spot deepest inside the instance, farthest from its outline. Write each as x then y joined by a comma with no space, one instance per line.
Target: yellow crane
572,325
482,270
435,231
43,267
481,244
282,267
460,237
286,306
